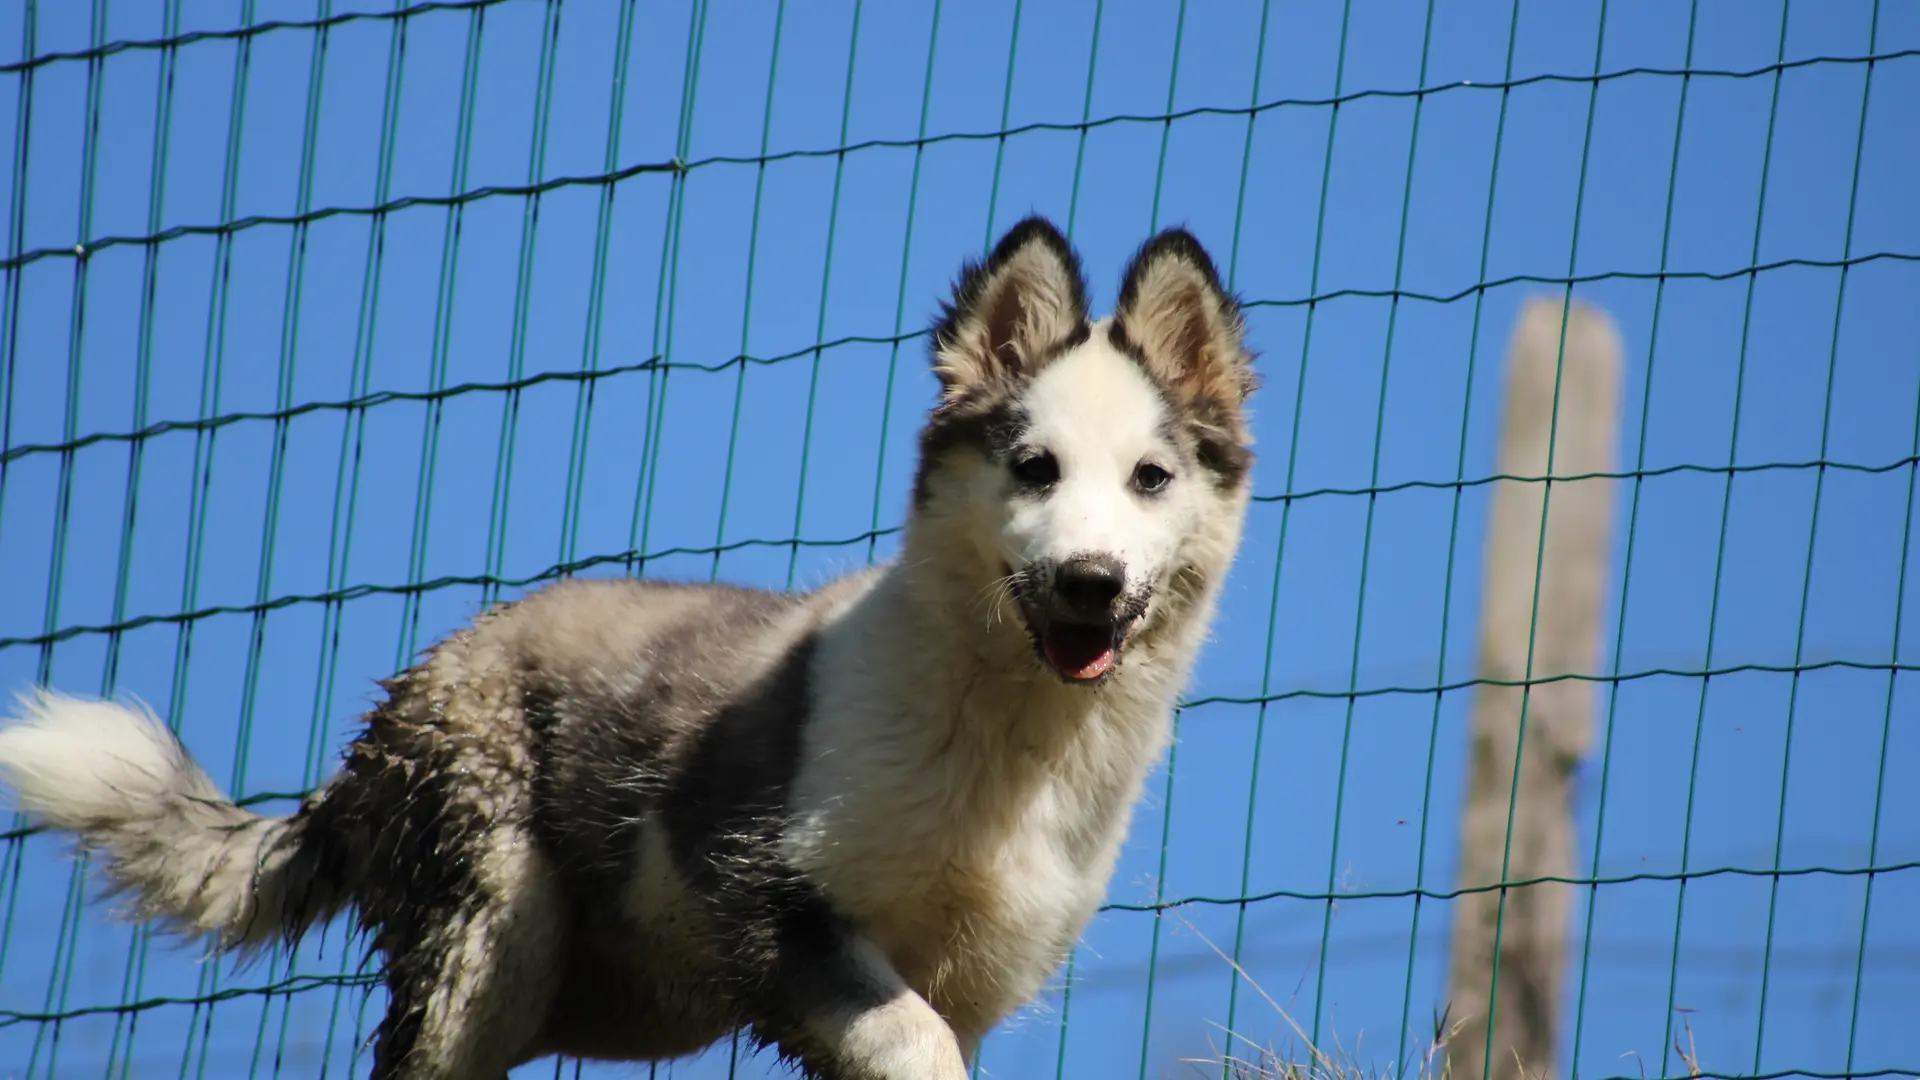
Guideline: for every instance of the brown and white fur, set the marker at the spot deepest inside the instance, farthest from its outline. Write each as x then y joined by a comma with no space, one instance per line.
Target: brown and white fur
621,819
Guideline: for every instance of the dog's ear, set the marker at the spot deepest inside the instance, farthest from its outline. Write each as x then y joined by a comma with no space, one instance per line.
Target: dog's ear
1185,328
1187,332
1010,313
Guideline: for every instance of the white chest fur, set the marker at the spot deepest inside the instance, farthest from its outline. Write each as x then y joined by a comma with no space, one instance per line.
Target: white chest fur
968,823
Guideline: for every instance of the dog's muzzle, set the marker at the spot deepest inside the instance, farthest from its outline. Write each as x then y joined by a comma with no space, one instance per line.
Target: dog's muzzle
1080,615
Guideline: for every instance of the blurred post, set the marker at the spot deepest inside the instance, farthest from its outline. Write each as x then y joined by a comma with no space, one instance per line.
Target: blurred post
1509,945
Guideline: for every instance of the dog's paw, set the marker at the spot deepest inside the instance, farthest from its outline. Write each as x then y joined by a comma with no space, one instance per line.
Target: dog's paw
901,1040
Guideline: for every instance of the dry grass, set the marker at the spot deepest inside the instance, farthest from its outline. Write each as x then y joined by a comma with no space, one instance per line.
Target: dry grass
1689,1054
1299,1057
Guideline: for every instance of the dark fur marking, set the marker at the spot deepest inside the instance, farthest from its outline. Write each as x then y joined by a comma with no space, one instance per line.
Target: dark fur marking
611,745
988,424
1208,431
786,948
609,757
739,769
815,963
1223,456
1078,337
398,803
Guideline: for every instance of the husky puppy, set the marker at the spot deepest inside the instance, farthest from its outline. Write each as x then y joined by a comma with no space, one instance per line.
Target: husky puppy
620,819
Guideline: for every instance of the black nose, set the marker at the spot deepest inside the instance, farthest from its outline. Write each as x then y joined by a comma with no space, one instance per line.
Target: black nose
1087,586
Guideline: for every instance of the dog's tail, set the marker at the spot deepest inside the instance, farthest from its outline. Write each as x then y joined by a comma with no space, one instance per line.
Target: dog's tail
183,851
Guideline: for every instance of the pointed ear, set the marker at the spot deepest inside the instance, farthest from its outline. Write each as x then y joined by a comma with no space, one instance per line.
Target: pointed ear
1183,325
1186,330
1011,313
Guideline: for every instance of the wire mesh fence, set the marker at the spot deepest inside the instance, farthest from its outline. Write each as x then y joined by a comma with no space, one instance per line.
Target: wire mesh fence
325,326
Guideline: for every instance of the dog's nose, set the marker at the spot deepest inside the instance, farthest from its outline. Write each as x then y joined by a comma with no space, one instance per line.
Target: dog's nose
1088,585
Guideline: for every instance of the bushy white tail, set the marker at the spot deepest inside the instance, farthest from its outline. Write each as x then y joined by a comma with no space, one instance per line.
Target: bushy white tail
172,841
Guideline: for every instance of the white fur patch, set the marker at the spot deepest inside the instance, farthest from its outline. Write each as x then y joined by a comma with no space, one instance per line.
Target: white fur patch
115,775
79,764
901,1040
1096,412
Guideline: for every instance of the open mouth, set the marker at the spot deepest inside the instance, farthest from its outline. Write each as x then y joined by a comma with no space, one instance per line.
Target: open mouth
1080,652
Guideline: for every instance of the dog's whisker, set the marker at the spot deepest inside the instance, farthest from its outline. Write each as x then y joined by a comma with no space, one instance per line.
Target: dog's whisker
995,596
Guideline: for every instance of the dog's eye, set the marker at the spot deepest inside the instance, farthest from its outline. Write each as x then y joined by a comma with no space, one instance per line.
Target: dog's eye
1036,470
1149,478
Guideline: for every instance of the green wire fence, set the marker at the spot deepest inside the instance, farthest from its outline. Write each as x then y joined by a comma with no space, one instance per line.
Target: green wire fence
326,325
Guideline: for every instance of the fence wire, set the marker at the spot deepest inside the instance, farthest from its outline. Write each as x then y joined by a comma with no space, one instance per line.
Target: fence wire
235,412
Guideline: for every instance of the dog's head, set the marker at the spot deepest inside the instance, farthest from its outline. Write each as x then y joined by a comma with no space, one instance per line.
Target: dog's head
1096,471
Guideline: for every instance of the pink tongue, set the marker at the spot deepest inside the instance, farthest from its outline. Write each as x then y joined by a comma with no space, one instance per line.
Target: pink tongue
1079,653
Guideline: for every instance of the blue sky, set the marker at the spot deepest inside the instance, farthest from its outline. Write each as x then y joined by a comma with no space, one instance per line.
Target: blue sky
1360,235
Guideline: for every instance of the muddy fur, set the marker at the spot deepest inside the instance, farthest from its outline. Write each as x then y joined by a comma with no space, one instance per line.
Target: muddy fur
622,819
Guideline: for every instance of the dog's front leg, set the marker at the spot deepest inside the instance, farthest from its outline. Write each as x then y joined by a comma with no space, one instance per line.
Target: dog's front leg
858,1020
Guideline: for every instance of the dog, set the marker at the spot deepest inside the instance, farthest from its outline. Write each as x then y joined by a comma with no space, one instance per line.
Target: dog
621,819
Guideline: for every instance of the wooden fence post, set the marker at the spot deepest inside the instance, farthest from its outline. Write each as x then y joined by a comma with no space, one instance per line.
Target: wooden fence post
1509,944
